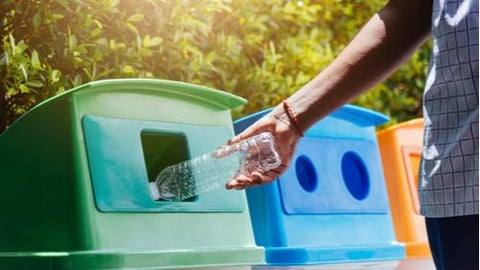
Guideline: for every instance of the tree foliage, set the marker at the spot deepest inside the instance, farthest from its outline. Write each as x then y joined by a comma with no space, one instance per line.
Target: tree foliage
260,50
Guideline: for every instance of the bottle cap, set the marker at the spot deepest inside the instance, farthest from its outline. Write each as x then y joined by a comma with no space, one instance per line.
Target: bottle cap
154,191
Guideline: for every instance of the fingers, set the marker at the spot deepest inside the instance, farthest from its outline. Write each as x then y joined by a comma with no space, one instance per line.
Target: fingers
262,125
243,181
244,135
254,179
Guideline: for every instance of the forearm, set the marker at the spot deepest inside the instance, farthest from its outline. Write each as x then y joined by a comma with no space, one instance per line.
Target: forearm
382,45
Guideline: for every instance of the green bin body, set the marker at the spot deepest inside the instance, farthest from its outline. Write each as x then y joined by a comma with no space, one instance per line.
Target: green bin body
75,172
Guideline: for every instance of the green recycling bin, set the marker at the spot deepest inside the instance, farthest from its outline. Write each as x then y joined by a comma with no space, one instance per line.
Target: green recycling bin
75,173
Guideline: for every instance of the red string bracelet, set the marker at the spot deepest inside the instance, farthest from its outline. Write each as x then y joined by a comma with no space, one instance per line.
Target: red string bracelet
291,115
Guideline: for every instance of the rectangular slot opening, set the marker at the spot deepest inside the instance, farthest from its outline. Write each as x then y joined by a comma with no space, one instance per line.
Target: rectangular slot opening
162,149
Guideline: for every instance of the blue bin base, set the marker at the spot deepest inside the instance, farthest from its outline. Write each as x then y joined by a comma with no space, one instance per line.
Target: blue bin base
314,255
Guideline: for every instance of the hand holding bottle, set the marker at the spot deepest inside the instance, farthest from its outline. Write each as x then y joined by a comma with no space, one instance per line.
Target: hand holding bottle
286,140
257,154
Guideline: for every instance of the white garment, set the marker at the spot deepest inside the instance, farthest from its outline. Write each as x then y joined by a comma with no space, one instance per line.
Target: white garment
448,174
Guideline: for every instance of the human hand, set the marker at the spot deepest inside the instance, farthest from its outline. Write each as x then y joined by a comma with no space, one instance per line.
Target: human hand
286,139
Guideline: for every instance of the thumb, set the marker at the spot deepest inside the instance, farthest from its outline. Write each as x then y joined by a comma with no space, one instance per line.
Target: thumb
247,133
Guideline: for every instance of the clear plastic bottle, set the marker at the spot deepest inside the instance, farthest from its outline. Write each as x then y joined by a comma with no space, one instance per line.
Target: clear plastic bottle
212,170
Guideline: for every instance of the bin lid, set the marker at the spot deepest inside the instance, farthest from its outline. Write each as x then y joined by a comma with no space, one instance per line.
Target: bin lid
360,116
356,115
205,94
416,123
182,90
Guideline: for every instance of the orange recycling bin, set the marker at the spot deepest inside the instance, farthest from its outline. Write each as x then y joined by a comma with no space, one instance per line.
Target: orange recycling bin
400,148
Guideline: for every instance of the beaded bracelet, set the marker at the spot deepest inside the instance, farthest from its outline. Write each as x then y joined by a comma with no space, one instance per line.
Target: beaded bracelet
291,115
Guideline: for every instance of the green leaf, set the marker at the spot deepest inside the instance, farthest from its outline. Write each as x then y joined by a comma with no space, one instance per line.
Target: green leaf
135,18
35,60
96,32
112,44
152,42
132,28
58,16
127,69
24,71
4,60
23,89
35,83
11,91
77,80
55,75
72,41
36,20
12,43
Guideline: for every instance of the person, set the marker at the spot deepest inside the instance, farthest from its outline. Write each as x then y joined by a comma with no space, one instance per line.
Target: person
448,184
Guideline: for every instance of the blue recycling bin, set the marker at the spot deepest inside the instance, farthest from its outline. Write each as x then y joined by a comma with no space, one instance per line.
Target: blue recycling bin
331,205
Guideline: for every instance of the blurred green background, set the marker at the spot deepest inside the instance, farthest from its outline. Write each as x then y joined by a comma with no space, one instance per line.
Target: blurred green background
260,50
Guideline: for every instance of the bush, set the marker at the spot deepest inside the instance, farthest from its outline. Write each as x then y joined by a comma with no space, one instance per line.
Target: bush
261,50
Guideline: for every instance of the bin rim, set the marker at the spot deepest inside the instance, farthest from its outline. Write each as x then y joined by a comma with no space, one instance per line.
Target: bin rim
205,94
360,116
354,114
413,123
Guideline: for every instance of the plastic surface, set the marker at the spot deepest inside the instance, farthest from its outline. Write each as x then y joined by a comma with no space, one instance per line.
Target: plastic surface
401,148
331,205
75,173
115,156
